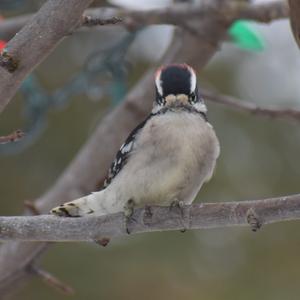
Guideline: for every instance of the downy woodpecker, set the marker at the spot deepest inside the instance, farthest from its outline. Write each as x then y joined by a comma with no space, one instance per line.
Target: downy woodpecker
165,159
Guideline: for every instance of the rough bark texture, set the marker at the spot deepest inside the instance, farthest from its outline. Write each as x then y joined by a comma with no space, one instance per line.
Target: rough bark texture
261,12
35,41
197,216
295,19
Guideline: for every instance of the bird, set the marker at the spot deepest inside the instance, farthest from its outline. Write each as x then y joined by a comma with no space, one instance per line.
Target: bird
165,160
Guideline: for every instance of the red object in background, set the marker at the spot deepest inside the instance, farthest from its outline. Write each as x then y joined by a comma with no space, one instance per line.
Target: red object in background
2,44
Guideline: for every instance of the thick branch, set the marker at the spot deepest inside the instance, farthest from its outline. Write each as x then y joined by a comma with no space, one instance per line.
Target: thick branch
242,105
35,41
230,10
265,13
25,50
196,216
295,19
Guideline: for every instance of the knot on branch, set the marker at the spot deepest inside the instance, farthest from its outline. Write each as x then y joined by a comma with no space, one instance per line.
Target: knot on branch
103,242
253,219
8,62
147,216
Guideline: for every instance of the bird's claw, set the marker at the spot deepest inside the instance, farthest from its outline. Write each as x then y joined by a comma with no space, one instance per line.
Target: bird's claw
128,213
179,205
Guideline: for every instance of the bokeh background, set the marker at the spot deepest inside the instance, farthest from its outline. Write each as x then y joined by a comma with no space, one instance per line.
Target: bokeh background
259,158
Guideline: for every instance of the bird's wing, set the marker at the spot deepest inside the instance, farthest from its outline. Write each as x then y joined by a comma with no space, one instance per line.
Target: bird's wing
123,154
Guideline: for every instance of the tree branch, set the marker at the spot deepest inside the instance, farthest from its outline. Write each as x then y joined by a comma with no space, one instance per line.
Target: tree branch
295,19
35,41
51,280
13,137
25,51
229,10
264,13
196,216
242,105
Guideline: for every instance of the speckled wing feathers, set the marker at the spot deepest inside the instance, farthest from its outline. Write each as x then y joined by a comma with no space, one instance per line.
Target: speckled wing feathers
125,150
123,154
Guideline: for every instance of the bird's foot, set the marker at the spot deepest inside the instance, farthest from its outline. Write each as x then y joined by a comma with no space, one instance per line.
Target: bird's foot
178,205
147,216
128,213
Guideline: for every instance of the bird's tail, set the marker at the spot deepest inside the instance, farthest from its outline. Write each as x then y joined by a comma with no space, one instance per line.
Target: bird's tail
86,205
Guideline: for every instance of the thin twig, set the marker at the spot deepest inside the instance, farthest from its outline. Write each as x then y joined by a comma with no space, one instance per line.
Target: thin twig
90,21
197,216
51,280
13,137
242,105
31,207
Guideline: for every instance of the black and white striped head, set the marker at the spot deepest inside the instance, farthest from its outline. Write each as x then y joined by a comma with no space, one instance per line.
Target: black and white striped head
177,83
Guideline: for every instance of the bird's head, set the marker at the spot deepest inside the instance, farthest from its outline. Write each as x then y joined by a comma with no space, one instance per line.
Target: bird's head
176,85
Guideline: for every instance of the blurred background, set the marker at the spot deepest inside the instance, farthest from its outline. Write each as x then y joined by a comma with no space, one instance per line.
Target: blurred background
60,104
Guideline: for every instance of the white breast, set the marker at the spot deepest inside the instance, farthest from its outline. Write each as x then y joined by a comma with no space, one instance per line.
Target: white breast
173,155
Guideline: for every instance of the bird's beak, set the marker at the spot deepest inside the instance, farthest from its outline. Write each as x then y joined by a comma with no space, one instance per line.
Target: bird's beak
177,99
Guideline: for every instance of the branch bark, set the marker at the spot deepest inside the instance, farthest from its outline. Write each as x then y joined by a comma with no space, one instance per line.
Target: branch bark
196,216
295,19
36,40
25,51
242,105
264,13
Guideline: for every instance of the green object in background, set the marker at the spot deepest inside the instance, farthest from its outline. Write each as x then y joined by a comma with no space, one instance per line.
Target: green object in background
246,37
